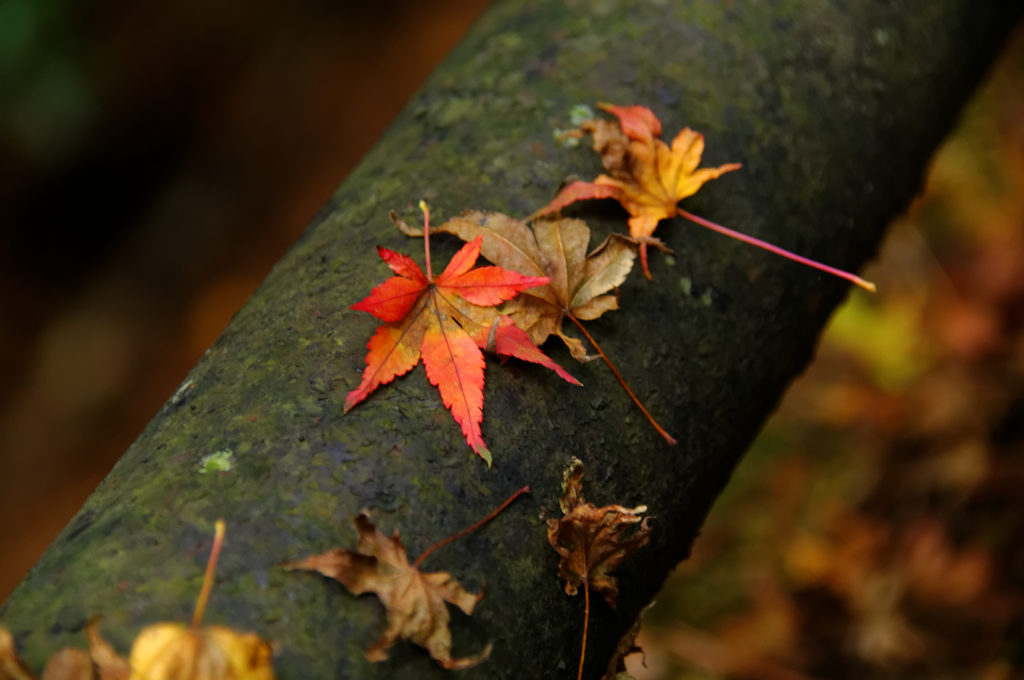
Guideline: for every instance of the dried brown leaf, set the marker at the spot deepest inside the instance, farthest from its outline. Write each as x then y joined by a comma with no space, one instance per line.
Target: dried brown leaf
415,601
592,541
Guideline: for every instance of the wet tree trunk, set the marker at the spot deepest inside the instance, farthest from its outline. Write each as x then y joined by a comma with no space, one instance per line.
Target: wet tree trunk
832,107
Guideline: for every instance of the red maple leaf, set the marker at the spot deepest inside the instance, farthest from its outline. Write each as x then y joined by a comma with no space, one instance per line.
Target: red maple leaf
447,321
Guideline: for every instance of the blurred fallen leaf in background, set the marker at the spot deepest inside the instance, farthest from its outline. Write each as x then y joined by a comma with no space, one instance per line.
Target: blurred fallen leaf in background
176,651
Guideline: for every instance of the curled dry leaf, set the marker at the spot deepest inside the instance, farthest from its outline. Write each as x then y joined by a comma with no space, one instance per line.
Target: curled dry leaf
415,601
578,284
648,177
174,651
447,320
592,541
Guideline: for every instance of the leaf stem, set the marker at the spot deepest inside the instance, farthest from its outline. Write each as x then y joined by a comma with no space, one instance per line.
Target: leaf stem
211,568
426,237
586,620
666,435
775,249
643,261
476,526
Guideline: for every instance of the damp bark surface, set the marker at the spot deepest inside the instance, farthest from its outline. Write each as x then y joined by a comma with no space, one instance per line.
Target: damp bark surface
833,107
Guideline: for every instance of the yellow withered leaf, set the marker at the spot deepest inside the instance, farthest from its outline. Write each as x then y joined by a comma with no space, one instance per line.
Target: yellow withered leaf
175,651
648,177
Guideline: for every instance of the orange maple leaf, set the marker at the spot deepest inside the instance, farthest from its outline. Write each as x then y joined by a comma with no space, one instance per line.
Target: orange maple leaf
649,178
447,320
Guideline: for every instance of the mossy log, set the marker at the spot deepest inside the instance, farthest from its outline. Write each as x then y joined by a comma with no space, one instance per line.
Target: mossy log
832,107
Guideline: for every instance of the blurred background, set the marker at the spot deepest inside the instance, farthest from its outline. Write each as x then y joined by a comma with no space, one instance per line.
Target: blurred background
157,158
